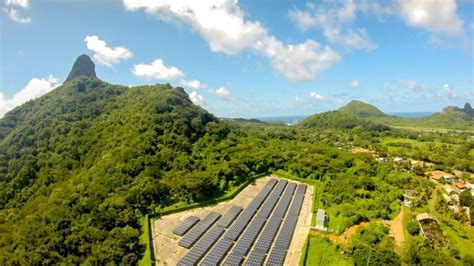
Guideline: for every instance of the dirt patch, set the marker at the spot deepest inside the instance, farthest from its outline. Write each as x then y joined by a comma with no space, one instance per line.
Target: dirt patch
396,227
362,150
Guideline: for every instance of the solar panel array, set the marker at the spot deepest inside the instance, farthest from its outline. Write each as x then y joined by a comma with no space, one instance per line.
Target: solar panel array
186,225
244,244
258,254
254,230
222,247
195,233
206,242
282,243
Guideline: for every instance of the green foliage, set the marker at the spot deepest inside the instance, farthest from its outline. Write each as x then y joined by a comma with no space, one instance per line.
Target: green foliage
361,109
466,198
413,228
372,245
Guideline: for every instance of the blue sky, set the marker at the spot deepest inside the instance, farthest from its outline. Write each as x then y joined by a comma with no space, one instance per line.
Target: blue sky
248,58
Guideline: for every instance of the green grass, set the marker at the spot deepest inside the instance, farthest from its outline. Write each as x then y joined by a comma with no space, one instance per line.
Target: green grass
321,251
145,240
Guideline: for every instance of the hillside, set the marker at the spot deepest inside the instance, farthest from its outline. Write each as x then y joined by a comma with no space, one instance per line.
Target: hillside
340,120
361,109
80,165
450,118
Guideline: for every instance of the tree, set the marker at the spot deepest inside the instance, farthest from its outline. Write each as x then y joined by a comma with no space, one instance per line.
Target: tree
466,198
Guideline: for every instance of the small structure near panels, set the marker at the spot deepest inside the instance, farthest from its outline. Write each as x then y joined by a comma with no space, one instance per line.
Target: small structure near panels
321,220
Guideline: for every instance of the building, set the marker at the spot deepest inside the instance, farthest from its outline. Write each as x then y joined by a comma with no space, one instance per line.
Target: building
321,220
460,186
437,175
409,195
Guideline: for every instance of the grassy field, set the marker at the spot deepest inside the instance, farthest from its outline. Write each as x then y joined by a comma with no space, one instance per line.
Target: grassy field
321,251
145,240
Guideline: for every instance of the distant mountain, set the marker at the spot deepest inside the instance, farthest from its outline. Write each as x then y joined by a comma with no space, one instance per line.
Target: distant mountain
341,120
361,109
451,117
467,109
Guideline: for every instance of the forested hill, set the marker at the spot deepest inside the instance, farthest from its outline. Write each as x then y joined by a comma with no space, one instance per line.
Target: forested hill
81,164
361,109
451,117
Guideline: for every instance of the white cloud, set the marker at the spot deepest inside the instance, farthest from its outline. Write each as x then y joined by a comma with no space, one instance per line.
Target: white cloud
355,84
13,15
318,97
414,86
335,21
301,62
19,3
35,88
380,9
192,84
437,16
223,94
222,24
196,98
105,55
449,91
157,71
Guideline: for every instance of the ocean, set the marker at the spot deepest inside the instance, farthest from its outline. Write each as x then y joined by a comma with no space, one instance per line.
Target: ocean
412,114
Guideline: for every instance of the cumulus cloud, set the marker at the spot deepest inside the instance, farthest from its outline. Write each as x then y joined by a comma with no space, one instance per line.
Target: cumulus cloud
449,91
157,70
222,24
13,15
196,98
105,55
35,88
223,94
12,7
355,84
318,97
19,3
192,84
437,16
414,86
334,20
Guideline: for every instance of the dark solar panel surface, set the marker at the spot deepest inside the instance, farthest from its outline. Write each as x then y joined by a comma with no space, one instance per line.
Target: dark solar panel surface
186,225
269,219
229,217
196,232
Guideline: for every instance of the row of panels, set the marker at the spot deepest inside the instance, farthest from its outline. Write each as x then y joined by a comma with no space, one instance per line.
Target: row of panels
253,230
244,244
264,242
282,242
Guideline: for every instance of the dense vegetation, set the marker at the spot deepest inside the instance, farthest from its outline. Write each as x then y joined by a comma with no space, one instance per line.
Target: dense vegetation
80,166
450,118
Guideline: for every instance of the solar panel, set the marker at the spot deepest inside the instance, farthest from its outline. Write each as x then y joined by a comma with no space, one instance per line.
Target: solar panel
196,232
218,252
301,189
233,260
202,246
296,204
277,257
230,216
186,225
255,258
